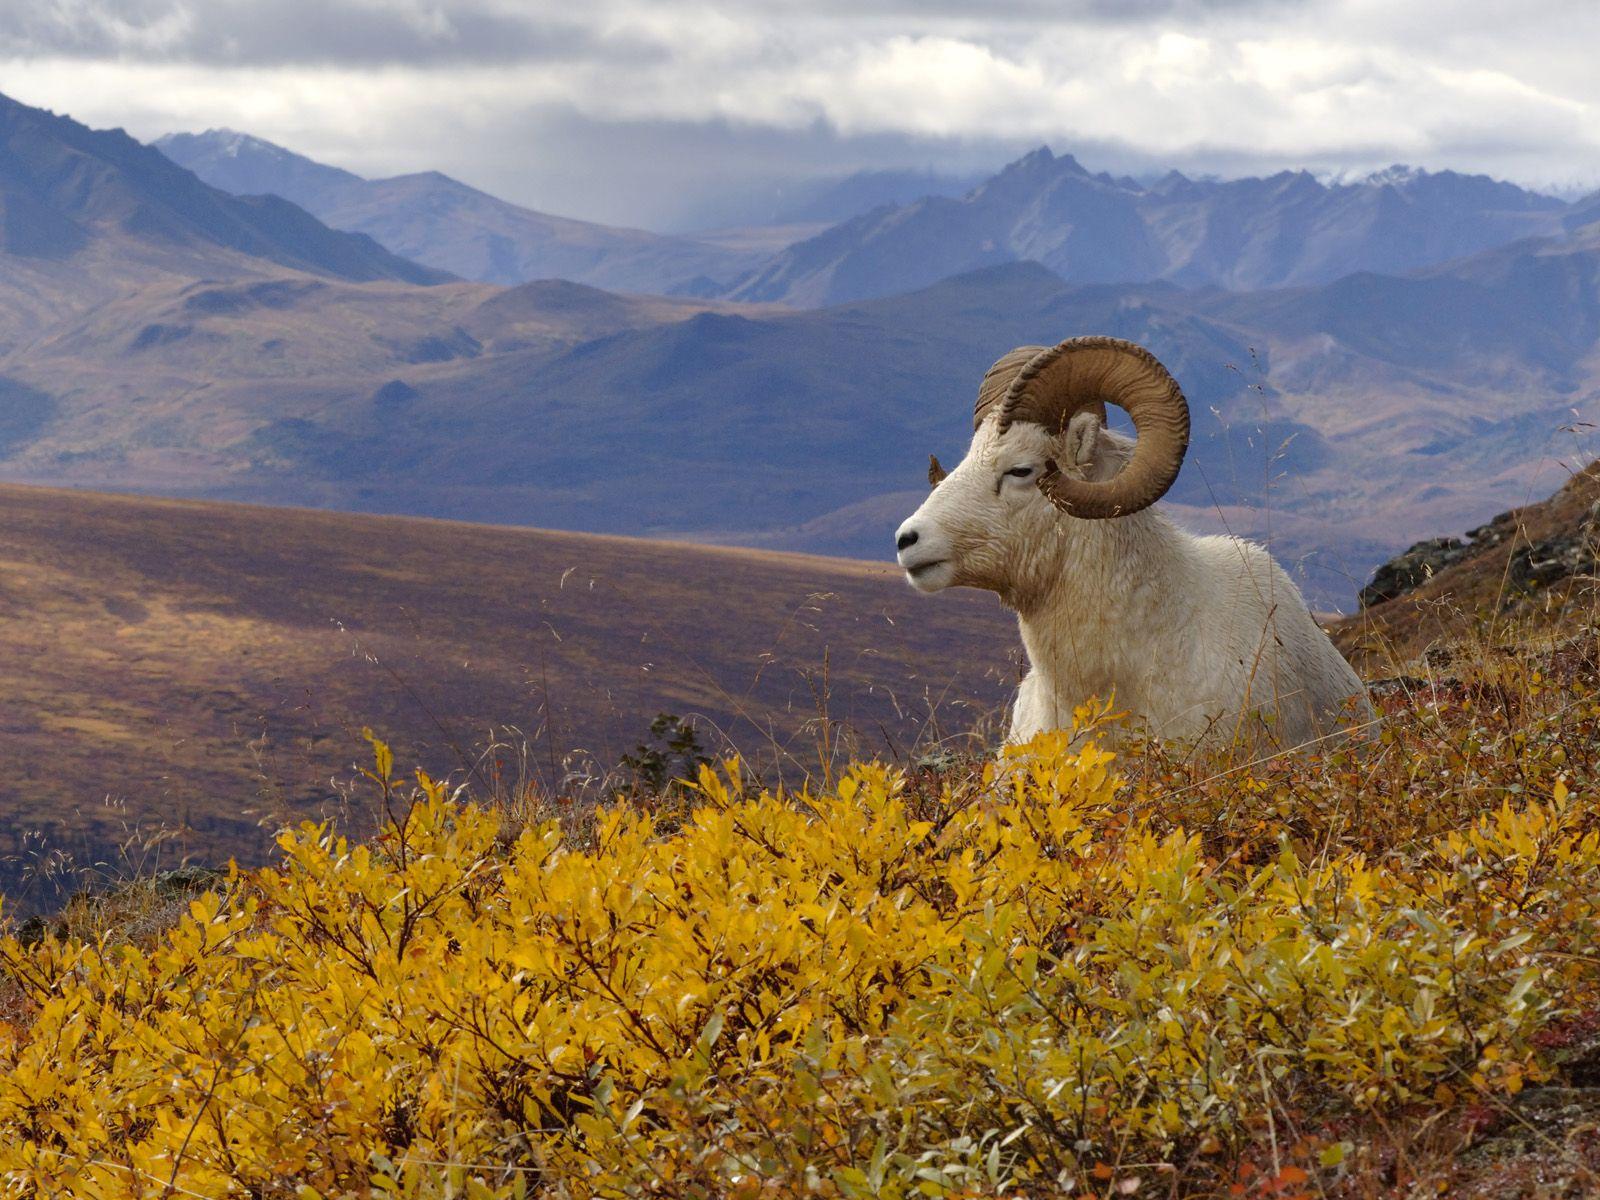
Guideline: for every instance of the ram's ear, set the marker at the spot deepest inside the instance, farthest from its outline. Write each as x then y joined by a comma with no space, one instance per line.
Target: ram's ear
1079,442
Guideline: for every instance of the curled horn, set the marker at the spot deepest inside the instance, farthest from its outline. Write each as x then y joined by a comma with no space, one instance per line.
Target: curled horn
936,473
1051,385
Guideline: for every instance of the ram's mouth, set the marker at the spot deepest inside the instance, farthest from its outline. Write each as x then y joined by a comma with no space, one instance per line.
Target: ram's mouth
921,569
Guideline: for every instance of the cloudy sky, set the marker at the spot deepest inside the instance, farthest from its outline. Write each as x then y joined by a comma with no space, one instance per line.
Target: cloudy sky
668,113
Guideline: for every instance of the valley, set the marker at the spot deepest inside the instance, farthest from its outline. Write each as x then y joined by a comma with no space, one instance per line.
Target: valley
163,336
180,676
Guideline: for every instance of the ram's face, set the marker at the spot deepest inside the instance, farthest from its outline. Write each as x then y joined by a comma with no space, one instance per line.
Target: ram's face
976,527
1042,463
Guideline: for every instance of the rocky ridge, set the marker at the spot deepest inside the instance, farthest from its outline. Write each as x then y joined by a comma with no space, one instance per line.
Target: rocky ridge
1532,566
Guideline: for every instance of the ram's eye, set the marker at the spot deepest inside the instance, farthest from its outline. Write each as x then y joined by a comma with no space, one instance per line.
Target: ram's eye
1020,472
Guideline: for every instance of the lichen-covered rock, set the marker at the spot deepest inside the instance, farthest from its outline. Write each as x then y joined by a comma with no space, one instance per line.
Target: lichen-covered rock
137,907
1409,571
1537,1120
1412,569
1493,533
1552,560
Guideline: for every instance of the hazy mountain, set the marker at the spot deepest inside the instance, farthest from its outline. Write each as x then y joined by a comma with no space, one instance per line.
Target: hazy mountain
64,185
252,166
1241,234
839,199
443,222
1583,212
533,404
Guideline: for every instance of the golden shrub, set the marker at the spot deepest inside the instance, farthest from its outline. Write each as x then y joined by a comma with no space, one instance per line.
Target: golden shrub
1021,984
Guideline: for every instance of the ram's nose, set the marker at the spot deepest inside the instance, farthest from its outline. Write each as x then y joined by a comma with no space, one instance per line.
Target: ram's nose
906,539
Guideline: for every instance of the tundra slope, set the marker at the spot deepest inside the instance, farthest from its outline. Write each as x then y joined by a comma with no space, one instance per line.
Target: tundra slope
1201,639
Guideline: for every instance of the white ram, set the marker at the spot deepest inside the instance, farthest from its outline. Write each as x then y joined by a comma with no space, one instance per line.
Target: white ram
1201,639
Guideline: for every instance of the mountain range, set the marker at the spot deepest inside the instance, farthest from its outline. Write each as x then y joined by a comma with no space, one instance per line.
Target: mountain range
831,200
440,221
86,216
65,188
1338,420
1285,230
888,232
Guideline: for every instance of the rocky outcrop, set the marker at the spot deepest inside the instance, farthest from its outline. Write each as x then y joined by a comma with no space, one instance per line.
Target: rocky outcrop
1570,553
1551,560
1409,571
1529,572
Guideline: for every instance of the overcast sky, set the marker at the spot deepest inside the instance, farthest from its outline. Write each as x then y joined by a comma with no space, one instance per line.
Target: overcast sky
667,112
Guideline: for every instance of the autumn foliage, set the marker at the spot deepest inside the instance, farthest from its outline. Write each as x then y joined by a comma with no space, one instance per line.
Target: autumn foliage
1032,979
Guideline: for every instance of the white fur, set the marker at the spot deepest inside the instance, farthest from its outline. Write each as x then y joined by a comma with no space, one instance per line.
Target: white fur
1201,639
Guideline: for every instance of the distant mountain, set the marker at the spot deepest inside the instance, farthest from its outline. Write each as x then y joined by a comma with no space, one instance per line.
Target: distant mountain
1241,234
839,199
1339,421
1583,212
252,166
531,404
443,222
63,186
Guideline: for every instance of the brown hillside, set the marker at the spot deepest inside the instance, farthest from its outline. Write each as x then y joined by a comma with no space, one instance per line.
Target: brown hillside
206,666
1526,571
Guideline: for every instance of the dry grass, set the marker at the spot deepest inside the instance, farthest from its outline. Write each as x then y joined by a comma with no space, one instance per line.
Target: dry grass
178,673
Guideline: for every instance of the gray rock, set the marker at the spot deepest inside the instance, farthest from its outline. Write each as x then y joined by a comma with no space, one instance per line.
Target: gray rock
1409,571
1537,1120
1550,561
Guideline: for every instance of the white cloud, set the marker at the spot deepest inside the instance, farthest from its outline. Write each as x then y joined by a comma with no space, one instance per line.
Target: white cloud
484,89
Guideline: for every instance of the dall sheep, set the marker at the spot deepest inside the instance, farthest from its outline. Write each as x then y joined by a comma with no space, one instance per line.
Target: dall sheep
1201,639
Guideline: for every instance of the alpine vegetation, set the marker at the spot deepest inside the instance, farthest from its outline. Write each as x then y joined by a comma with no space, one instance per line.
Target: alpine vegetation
1199,639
